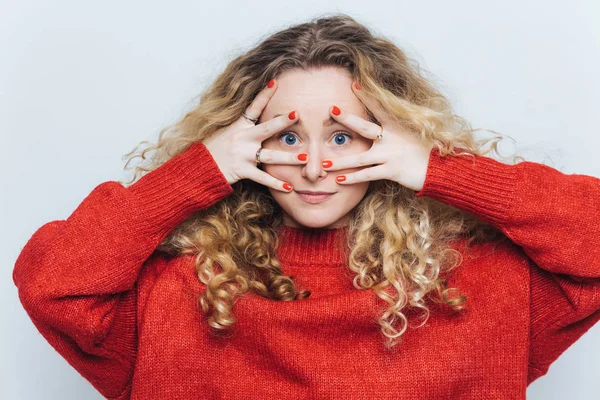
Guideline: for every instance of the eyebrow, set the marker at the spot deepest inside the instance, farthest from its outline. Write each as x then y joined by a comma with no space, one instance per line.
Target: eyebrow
327,122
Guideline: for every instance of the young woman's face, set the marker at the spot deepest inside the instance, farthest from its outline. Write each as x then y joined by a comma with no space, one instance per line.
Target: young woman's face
312,94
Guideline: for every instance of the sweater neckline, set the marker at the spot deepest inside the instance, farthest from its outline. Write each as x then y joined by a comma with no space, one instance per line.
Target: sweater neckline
312,246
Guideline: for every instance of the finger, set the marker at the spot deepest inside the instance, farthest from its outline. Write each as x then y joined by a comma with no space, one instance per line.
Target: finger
268,156
365,128
365,175
372,104
363,159
266,129
261,100
267,180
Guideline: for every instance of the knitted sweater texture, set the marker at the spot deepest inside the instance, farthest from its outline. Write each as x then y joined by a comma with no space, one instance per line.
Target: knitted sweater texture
126,316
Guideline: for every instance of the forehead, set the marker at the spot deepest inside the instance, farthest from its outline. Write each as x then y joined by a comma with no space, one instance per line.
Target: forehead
313,92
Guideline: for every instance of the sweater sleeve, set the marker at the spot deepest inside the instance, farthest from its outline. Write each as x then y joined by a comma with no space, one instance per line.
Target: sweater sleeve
555,219
77,278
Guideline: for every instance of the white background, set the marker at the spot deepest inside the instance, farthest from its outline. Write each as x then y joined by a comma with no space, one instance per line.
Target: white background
82,83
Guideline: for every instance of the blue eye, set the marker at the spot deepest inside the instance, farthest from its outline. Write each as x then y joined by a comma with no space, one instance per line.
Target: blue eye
293,138
288,135
342,135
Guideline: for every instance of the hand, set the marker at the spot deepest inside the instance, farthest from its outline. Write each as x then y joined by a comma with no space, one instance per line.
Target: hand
234,147
400,156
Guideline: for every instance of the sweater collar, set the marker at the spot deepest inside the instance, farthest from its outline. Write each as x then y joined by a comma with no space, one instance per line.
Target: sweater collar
312,246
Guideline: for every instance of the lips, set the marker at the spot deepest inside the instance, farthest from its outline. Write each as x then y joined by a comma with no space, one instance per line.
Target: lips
312,193
315,198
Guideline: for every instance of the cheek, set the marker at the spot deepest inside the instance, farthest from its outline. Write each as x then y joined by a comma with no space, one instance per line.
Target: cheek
358,190
281,172
353,191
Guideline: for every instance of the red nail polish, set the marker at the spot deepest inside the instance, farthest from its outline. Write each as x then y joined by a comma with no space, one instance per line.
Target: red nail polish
271,83
340,178
287,186
335,110
326,163
302,157
292,115
357,86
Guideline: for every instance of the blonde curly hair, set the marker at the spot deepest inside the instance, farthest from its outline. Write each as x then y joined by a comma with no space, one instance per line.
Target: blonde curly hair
398,244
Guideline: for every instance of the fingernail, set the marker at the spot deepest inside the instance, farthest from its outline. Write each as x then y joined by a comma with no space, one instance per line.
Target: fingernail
271,83
287,186
357,86
335,110
326,163
292,115
340,178
302,157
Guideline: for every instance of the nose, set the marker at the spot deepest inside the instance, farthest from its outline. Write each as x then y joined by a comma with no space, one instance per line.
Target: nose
313,169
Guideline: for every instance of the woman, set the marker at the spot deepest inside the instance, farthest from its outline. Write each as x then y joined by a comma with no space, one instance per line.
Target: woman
218,275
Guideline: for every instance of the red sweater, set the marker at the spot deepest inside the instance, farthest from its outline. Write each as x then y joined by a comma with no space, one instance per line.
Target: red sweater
125,317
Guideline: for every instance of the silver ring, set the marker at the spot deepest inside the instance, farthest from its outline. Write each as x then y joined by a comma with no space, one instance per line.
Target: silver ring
253,120
380,135
258,156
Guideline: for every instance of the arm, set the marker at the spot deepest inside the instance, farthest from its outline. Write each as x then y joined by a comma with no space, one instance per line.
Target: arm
555,218
76,278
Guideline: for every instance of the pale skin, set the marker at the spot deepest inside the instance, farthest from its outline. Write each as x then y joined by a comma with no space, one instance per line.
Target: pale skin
349,143
317,95
310,94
